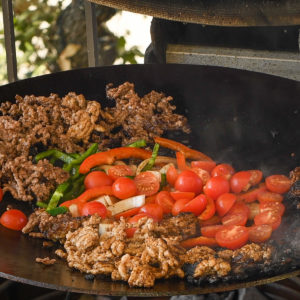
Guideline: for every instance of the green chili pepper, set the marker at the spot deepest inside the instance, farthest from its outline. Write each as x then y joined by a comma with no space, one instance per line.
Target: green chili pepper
57,211
57,195
54,154
93,149
151,161
163,182
138,144
75,189
41,204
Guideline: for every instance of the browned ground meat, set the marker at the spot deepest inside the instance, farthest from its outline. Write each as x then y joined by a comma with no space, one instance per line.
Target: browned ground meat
46,261
71,124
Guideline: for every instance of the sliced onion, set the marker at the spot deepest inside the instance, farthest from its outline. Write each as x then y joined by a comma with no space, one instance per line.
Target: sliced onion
105,228
74,210
158,160
127,204
106,200
165,168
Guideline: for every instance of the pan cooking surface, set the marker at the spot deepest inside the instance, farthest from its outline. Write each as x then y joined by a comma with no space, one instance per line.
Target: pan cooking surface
247,119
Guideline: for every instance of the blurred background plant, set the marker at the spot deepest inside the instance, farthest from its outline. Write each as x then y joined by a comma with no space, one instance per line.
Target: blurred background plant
51,37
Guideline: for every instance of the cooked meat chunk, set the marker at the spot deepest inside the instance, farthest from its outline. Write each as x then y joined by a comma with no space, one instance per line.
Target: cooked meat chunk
46,261
52,228
212,267
252,252
295,175
197,253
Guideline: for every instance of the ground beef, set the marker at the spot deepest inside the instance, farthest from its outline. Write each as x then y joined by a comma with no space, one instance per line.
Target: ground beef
46,261
70,124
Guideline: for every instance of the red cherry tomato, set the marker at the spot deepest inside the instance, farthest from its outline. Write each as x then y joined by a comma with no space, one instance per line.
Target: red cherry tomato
240,181
182,195
13,219
216,186
165,200
153,210
268,217
252,195
196,205
94,207
235,219
130,231
97,179
232,237
124,188
210,231
256,177
204,165
259,233
254,210
224,170
275,207
128,213
178,206
1,194
203,174
240,208
199,241
270,197
224,203
172,175
278,184
147,183
214,220
209,210
118,171
188,181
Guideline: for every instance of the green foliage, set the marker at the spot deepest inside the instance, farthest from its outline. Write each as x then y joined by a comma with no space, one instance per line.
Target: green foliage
127,56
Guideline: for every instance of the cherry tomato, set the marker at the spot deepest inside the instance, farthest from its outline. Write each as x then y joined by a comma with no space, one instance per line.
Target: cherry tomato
199,241
150,199
120,171
13,219
216,186
224,203
128,213
182,195
232,237
93,207
204,165
147,183
172,175
165,200
224,170
153,210
259,233
124,188
252,195
256,177
210,231
180,158
178,206
240,208
97,179
235,219
240,181
130,231
270,197
1,194
196,205
254,210
268,217
275,207
214,220
278,184
209,210
203,174
188,181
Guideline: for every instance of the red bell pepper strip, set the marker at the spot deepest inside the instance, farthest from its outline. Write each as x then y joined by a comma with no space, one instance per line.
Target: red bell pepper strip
89,195
110,156
188,153
199,241
181,163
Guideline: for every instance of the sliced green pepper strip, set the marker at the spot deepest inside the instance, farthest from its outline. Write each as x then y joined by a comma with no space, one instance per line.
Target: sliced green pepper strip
138,144
151,161
56,154
163,182
75,155
75,189
57,195
77,161
41,204
57,211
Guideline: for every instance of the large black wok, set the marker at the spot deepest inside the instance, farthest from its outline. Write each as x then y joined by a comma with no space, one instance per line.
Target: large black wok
247,119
